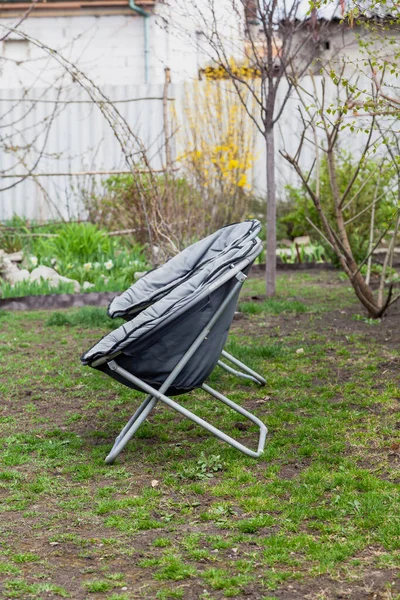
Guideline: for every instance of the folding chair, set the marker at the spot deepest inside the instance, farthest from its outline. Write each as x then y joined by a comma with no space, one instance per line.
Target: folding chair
171,346
160,281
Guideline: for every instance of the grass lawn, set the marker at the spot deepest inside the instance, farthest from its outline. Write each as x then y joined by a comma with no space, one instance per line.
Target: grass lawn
180,514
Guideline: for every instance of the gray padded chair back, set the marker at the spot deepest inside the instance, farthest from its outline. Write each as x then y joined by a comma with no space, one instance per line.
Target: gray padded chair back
159,282
144,328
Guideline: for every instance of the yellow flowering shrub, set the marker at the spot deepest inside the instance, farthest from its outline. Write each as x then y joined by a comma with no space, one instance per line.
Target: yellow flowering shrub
217,148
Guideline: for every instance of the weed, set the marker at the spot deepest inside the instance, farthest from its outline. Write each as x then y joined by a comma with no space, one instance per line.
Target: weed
173,568
25,557
366,320
100,586
205,468
162,542
170,594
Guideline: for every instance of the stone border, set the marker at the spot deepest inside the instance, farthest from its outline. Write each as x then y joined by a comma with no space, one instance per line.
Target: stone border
57,301
60,301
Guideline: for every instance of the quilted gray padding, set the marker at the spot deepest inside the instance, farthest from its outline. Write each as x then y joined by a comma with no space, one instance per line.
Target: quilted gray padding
159,282
189,293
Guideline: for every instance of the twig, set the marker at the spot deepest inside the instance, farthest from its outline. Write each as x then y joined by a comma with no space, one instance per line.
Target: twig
22,19
319,231
371,233
81,173
39,101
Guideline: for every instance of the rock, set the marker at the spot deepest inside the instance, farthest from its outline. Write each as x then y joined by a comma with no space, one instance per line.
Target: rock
49,274
302,240
11,272
15,257
20,275
284,252
87,285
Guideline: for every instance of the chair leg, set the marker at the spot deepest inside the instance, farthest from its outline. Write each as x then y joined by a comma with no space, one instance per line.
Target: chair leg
158,395
133,419
134,422
253,374
245,413
235,372
131,427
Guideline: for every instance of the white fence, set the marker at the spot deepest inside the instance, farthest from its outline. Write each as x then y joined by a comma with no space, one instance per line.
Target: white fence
63,132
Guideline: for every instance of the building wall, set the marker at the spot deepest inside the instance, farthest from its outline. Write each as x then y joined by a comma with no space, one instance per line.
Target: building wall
350,46
110,49
107,48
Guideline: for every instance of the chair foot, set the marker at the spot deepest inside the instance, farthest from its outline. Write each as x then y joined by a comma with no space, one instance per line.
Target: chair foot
131,427
249,373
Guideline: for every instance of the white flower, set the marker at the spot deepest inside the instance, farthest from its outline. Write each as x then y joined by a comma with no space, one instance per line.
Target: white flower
109,265
96,265
53,261
87,266
33,260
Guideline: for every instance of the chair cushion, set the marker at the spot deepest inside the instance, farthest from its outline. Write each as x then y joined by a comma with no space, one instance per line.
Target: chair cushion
184,297
159,282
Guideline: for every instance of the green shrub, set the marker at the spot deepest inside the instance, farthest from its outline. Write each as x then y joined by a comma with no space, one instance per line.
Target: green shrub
13,234
84,252
75,243
292,214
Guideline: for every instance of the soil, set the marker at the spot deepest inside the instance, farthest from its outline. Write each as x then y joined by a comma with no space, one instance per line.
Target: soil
338,323
70,559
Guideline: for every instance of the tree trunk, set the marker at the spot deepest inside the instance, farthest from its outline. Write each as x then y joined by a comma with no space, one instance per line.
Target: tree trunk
271,213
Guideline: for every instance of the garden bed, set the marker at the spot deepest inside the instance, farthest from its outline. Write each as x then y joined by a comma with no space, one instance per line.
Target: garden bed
60,301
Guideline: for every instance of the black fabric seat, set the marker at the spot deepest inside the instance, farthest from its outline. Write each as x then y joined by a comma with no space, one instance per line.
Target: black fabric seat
154,354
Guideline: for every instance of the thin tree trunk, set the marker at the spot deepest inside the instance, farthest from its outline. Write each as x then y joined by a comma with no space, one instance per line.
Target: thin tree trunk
397,225
271,213
371,235
168,155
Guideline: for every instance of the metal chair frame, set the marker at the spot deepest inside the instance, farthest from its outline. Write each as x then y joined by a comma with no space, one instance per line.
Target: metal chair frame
154,396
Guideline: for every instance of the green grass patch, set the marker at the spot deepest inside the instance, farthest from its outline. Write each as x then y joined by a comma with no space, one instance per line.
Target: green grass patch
272,306
180,513
87,316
